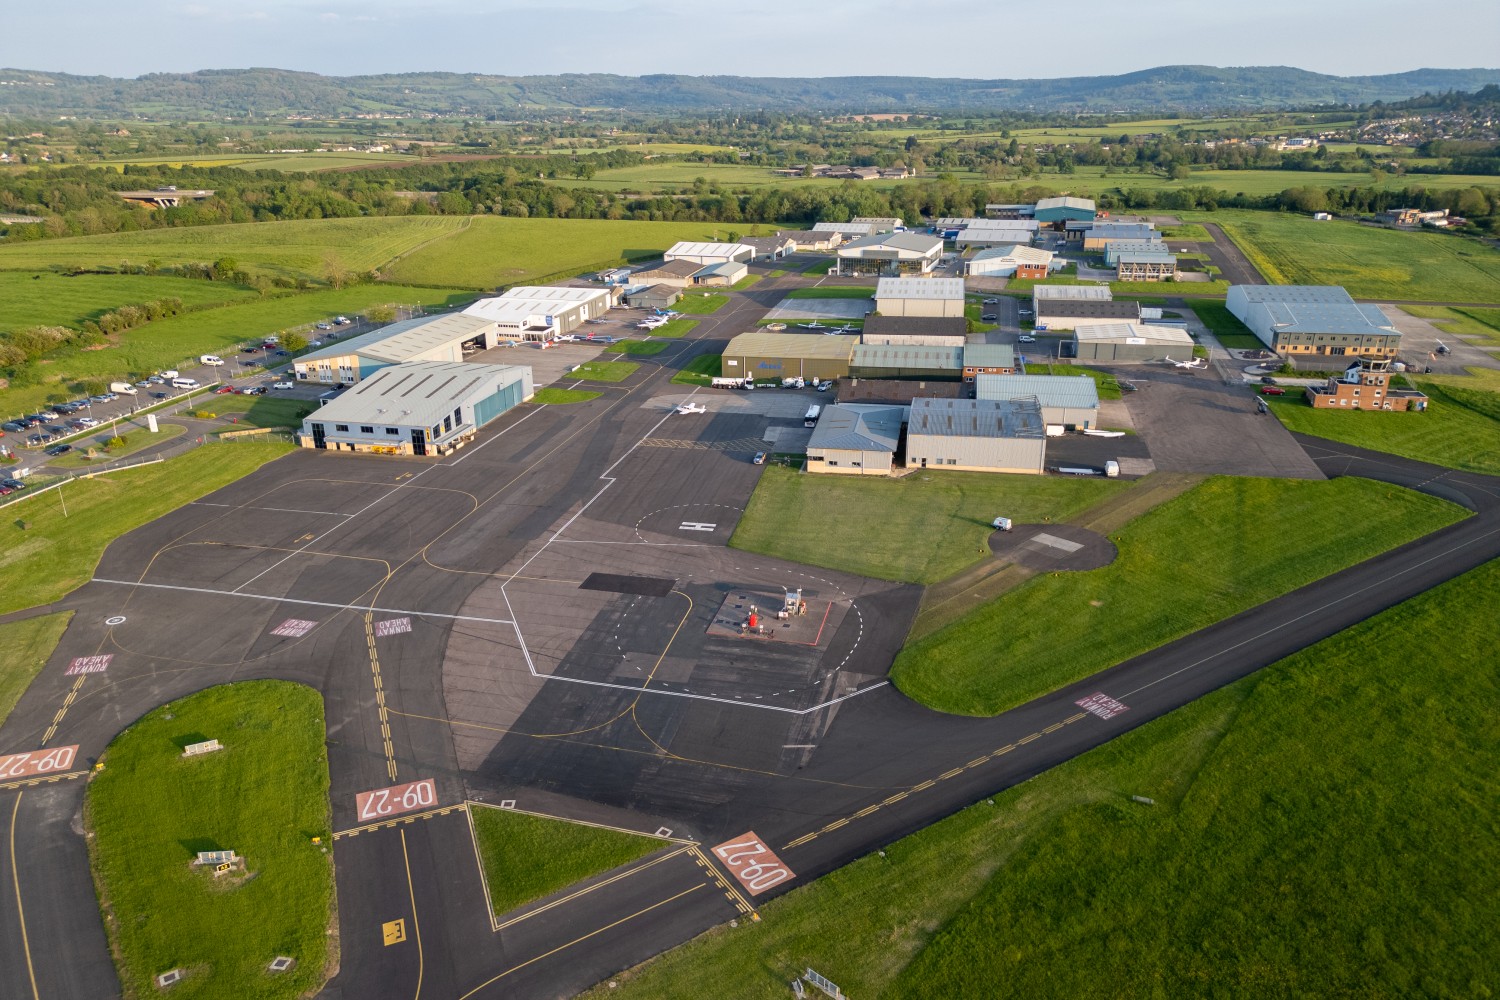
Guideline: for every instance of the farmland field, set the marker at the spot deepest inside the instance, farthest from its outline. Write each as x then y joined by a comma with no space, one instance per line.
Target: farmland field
288,162
1371,263
503,251
168,342
49,299
1238,883
295,249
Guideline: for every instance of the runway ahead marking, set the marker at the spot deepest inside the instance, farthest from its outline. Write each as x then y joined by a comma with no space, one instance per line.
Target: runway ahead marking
842,822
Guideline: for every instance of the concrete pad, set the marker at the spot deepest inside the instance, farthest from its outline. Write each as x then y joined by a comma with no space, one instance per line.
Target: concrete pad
1419,339
1046,547
821,309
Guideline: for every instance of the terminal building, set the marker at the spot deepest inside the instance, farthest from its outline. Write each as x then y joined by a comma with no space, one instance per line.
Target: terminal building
1307,321
896,253
419,408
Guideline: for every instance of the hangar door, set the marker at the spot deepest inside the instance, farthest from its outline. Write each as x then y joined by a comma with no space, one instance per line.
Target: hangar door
492,406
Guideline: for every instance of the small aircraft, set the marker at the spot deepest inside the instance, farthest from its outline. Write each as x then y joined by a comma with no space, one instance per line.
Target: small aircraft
1195,363
691,408
814,325
846,328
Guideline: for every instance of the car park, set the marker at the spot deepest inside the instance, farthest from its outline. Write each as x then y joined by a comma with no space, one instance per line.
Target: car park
284,385
1272,390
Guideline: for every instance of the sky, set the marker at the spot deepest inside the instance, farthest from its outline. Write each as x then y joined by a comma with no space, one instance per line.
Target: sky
936,38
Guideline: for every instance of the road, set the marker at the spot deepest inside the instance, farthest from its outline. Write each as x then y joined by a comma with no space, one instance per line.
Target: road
605,705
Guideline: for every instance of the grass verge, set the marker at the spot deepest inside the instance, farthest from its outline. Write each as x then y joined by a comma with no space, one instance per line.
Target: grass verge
1190,231
604,371
24,648
1172,576
1460,428
528,857
675,328
744,283
264,796
256,411
699,303
131,442
1271,864
638,347
46,554
1226,327
557,397
832,292
700,370
931,524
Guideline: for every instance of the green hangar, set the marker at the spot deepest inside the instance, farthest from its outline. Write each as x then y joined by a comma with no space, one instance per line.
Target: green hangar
764,356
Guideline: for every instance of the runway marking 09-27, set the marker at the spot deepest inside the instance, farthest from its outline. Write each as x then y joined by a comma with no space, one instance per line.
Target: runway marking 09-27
754,865
1102,705
294,628
383,802
35,762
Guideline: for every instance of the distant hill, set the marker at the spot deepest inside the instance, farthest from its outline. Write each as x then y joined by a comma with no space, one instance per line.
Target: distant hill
274,92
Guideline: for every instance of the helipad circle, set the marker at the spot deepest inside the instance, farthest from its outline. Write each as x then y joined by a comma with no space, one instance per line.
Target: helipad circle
116,620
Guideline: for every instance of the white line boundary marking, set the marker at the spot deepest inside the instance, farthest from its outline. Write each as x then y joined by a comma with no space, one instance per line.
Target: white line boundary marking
316,604
279,510
1311,612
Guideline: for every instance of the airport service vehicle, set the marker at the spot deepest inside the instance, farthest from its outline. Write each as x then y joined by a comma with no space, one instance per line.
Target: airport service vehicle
1001,524
167,375
811,419
124,387
727,383
210,359
1111,470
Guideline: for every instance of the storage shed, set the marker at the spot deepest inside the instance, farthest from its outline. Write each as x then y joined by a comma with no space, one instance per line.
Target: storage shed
920,297
976,435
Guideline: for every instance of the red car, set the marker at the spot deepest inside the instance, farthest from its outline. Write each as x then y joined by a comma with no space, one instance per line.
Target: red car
223,389
1272,390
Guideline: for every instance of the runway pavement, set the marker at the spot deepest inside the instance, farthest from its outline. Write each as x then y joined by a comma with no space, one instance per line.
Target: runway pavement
548,620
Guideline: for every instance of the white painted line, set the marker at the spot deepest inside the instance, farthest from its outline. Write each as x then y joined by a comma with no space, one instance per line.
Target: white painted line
315,604
1309,613
279,510
389,493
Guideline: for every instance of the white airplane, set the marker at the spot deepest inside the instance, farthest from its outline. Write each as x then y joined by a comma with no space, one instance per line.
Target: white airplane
814,325
1195,363
691,408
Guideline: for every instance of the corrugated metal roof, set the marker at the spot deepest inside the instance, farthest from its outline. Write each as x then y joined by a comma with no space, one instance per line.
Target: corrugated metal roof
1313,309
1147,257
1011,418
1088,309
919,243
1169,336
417,393
994,236
907,356
1019,253
1100,293
862,228
919,288
989,356
926,326
1078,391
1085,204
806,346
857,427
556,293
724,267
686,248
1031,225
400,341
1119,231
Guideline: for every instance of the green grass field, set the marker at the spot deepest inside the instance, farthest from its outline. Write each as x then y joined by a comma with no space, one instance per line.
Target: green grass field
256,411
604,371
932,524
1171,577
746,282
557,397
133,440
1189,231
264,796
177,340
491,252
675,328
639,348
53,553
48,299
1478,326
296,249
700,303
1460,428
1281,858
700,370
528,857
1225,326
832,292
24,648
309,162
1370,263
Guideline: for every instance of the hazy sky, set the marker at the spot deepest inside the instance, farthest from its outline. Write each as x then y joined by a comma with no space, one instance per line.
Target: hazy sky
943,38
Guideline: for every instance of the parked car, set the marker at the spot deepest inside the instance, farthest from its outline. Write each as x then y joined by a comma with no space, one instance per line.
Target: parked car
58,449
13,426
325,326
1026,338
57,431
281,354
341,320
284,385
87,422
990,302
1267,380
223,389
760,458
14,484
1272,390
143,384
989,318
161,395
47,414
156,380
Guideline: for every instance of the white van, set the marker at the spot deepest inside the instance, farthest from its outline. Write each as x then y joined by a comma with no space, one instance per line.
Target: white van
210,359
184,383
169,374
122,387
